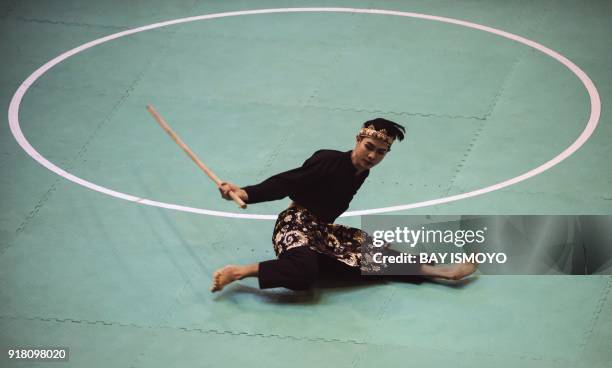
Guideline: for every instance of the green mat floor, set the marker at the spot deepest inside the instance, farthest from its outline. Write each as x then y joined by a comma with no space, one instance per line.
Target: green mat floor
123,284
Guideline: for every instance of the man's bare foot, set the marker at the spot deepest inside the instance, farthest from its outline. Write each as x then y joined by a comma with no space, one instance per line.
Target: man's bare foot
224,276
231,273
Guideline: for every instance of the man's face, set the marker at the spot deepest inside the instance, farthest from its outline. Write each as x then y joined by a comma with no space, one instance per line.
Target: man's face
368,152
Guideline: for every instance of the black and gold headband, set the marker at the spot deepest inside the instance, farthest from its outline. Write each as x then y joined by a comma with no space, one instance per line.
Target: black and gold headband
371,132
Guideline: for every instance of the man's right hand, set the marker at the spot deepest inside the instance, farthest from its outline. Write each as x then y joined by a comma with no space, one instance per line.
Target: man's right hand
226,188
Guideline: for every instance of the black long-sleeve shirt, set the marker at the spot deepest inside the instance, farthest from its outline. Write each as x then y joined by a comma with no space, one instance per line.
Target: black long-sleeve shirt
324,185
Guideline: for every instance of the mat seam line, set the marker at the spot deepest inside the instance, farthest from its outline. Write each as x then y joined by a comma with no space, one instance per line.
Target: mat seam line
186,329
595,317
79,157
397,113
67,23
225,332
379,318
464,158
284,138
468,152
506,82
305,106
529,28
163,318
175,304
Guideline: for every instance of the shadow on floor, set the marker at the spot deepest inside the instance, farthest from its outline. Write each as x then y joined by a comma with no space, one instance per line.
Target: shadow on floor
332,284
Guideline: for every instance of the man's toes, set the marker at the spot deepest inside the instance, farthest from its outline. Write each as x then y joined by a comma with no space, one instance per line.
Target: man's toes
215,285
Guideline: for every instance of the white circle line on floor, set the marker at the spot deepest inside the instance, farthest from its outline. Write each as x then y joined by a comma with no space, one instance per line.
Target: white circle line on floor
13,112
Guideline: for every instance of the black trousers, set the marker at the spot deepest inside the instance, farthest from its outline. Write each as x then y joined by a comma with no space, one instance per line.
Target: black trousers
299,268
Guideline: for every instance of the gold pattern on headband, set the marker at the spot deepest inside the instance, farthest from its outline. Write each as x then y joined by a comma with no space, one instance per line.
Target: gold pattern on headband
371,132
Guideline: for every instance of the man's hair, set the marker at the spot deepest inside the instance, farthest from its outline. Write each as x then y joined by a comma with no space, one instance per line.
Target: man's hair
393,129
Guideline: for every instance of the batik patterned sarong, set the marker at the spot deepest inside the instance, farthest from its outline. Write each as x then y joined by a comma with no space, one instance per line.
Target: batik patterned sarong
297,227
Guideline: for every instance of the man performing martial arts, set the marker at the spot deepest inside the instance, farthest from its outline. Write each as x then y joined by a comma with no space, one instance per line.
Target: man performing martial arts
305,238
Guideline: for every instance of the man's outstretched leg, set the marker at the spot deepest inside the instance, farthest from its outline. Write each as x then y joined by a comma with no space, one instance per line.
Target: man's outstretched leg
295,269
454,271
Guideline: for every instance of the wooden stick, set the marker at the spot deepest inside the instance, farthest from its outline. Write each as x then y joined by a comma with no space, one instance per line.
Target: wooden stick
192,155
